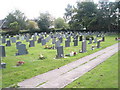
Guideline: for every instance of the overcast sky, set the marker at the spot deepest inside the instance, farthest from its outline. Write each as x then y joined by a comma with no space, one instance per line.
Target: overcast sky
32,8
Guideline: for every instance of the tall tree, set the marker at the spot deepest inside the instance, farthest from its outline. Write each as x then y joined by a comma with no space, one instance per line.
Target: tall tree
44,21
16,16
60,23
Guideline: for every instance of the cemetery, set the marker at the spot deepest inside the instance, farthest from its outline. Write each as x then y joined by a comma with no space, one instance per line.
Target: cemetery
24,59
76,50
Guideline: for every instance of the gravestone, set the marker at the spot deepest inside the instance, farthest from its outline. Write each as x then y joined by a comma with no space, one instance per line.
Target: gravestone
3,40
39,40
2,65
53,40
60,39
80,38
32,43
103,38
43,42
34,38
95,40
90,41
75,42
98,44
83,46
57,44
22,50
60,53
8,43
27,39
13,39
67,43
2,51
17,44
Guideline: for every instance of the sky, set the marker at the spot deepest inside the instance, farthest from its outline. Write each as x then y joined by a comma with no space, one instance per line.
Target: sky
32,8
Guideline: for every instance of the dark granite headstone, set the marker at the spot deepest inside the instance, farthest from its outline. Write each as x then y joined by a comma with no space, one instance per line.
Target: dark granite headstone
22,50
43,42
80,38
98,44
75,42
8,43
32,43
17,44
2,51
67,43
60,53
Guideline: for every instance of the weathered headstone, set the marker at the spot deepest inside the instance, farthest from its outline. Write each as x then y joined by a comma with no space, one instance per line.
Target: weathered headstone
75,42
8,43
22,50
43,42
57,44
17,44
32,43
2,51
83,46
67,43
60,53
90,41
98,44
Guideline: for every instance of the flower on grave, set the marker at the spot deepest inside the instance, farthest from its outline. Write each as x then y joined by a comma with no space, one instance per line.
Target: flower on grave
46,46
75,53
20,63
41,56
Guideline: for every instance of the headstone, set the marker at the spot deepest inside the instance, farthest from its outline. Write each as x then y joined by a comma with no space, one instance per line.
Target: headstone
57,44
90,41
39,40
67,43
60,53
17,44
83,46
43,42
13,39
2,51
95,40
3,40
34,38
32,43
60,39
80,38
8,43
22,50
98,44
75,42
53,40
103,38
2,65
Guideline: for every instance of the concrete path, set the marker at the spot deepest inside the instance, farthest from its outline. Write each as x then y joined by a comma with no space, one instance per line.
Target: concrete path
59,78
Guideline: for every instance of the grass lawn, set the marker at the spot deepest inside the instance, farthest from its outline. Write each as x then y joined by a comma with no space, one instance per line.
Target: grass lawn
104,75
33,66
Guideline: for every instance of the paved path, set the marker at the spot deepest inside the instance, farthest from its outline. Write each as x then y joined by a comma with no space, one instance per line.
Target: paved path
59,78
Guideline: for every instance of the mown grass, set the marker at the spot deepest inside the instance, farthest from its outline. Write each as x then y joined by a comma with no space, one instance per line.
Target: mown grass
33,66
104,75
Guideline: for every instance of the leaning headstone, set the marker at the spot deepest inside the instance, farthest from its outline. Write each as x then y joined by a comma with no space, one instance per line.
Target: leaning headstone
60,53
8,43
2,51
67,43
22,50
32,43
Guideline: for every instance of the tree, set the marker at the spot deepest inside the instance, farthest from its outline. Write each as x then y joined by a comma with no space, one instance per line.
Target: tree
32,25
14,26
16,16
60,23
68,12
44,21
